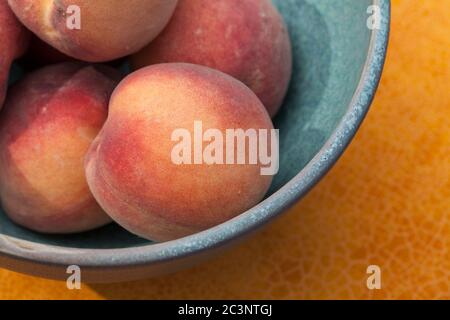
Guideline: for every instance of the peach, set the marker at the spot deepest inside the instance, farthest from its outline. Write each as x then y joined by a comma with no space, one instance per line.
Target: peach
49,120
245,39
130,167
95,31
14,40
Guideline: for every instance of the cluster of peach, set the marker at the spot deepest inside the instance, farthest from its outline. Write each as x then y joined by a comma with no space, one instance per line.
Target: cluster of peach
80,146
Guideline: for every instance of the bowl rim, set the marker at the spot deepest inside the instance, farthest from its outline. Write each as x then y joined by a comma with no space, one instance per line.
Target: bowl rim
248,221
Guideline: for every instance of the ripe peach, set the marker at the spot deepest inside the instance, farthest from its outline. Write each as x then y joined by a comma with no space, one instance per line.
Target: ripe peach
130,168
49,120
245,39
14,40
95,31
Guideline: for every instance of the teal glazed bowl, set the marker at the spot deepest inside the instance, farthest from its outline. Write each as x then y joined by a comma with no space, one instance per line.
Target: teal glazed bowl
338,61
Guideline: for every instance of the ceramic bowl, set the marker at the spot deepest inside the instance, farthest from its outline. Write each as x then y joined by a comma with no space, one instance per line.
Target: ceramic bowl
338,62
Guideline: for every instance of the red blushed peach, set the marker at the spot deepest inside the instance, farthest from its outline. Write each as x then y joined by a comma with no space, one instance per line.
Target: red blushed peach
130,167
95,31
13,42
49,120
245,39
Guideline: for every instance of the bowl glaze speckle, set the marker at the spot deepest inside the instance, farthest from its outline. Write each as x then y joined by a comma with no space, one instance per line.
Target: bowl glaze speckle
338,63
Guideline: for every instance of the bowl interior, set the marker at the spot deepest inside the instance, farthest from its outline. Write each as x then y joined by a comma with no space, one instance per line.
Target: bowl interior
330,45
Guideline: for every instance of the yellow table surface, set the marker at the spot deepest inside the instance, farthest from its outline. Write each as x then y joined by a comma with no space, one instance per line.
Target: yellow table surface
386,202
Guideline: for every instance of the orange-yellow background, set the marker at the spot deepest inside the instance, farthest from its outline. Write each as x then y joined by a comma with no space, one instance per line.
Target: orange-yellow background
386,202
